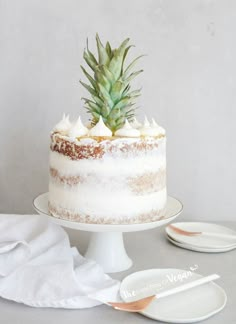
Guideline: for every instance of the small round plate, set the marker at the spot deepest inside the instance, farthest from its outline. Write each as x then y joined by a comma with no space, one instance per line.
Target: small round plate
189,306
174,208
199,249
202,241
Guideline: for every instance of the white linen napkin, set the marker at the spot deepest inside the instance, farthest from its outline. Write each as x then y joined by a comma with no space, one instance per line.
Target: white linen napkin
39,268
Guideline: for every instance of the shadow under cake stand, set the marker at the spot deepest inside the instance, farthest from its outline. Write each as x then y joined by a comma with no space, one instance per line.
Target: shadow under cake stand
106,245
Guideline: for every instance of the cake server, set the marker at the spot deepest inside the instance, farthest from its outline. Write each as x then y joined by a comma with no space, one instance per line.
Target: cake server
190,233
141,304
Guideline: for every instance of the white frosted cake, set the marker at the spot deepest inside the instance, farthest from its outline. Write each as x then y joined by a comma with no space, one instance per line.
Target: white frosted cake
114,171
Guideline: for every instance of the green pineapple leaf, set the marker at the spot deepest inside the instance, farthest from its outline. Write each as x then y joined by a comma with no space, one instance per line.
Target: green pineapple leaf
116,91
104,94
88,76
101,78
93,106
110,89
103,56
105,110
98,101
132,76
108,74
89,61
90,89
116,63
125,54
91,56
124,102
136,93
109,50
130,67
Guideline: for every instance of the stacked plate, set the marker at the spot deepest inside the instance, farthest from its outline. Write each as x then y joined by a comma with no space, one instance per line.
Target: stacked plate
189,306
205,242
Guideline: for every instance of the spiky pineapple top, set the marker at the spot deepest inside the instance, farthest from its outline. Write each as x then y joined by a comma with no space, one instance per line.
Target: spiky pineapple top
110,84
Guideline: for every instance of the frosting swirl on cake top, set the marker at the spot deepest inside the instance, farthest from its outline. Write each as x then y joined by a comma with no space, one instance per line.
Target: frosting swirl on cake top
63,126
100,129
135,123
127,131
131,130
151,129
78,129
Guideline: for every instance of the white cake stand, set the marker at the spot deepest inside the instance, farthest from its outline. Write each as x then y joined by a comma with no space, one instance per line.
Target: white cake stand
106,244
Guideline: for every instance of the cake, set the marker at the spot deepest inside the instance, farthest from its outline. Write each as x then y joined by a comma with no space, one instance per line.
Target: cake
114,170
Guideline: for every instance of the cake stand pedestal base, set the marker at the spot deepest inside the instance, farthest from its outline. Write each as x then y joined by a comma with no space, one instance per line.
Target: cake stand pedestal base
106,245
107,249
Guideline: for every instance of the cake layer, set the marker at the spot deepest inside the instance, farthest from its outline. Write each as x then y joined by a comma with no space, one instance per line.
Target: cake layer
70,215
145,183
105,203
90,148
110,181
132,165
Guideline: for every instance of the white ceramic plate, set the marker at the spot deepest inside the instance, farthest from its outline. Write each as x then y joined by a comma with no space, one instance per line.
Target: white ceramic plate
190,306
202,241
198,249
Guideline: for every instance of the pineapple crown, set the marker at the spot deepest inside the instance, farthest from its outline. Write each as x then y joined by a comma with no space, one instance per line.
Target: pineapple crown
110,84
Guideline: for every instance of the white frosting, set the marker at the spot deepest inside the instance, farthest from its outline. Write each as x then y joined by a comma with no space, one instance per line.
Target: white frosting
146,122
104,189
100,129
160,129
104,201
135,123
127,131
152,129
143,164
78,129
146,129
63,126
149,131
153,123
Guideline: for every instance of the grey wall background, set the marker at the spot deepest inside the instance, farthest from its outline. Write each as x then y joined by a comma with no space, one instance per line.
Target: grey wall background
189,85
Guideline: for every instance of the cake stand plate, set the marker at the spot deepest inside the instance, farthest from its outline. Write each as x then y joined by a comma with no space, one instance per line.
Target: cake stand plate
106,245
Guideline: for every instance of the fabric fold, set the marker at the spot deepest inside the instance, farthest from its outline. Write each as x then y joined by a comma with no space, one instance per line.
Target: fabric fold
39,268
13,254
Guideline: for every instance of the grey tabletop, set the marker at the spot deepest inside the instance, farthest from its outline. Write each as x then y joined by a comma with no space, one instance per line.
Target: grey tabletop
148,249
